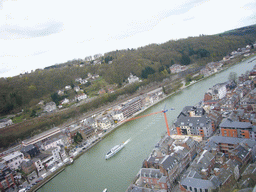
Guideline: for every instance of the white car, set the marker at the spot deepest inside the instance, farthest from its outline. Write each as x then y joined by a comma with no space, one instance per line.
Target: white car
44,175
53,169
22,190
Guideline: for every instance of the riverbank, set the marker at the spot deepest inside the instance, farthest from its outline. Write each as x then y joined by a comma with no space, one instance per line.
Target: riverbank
111,130
48,178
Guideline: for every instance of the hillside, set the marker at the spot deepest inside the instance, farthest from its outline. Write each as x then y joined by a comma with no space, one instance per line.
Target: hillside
27,90
150,63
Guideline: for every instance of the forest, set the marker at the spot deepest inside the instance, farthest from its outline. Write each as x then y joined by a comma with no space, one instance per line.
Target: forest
28,89
150,63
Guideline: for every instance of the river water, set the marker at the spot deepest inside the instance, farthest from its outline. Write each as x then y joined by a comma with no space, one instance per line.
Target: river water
92,173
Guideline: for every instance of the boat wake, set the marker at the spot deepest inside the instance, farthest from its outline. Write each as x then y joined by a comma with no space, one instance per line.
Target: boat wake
126,142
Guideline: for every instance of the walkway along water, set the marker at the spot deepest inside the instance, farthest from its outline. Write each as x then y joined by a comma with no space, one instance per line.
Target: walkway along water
92,173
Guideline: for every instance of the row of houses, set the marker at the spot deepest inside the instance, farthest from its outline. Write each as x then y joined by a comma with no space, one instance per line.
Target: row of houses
219,165
217,162
41,152
162,170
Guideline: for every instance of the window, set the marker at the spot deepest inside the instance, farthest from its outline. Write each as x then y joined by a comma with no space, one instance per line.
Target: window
190,188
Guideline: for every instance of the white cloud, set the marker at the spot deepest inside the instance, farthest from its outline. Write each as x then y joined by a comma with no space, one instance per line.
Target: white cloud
35,34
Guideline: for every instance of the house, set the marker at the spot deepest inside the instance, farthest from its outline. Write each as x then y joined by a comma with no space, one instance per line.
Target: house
205,72
172,157
27,166
14,160
238,129
132,79
57,154
102,91
218,91
194,121
227,144
90,122
81,97
60,92
64,101
52,143
30,151
78,80
83,81
68,87
150,179
176,68
118,115
5,122
49,107
41,161
194,182
104,123
131,107
77,88
87,132
6,178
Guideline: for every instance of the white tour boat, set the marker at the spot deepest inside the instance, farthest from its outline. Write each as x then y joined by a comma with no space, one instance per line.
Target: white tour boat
114,150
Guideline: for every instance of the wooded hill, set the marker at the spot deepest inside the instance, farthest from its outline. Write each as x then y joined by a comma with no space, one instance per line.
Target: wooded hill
150,62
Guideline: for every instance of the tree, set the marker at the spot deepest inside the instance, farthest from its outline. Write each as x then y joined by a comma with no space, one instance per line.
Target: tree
232,77
33,113
147,71
78,138
203,53
188,78
185,60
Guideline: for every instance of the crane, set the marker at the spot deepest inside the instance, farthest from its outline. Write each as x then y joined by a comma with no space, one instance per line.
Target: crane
154,113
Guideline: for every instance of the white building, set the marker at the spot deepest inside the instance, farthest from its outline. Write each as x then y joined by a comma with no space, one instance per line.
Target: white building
68,87
14,160
83,81
64,101
81,97
38,163
52,143
218,91
133,79
49,107
5,122
104,123
118,116
77,88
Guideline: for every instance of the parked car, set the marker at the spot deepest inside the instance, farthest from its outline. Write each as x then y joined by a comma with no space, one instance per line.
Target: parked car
40,179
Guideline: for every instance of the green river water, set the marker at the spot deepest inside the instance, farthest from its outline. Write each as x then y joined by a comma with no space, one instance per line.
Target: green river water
92,173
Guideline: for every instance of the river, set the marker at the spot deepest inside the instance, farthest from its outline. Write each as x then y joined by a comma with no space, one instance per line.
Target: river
92,173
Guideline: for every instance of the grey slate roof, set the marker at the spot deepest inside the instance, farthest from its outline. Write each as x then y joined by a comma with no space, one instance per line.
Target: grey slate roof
236,124
27,148
231,140
149,172
199,120
169,161
198,183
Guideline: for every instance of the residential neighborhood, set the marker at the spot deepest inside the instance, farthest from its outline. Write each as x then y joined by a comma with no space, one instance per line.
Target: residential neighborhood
213,145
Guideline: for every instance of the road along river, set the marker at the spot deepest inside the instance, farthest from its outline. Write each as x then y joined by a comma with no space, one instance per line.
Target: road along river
92,173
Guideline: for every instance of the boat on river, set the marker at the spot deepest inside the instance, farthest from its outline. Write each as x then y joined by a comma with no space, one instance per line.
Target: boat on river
114,150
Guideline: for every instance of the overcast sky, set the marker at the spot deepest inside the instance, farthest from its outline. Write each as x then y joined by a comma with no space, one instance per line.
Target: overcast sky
35,33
